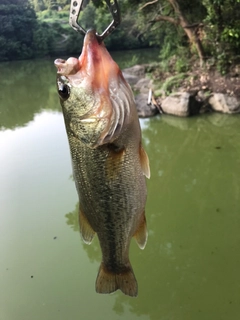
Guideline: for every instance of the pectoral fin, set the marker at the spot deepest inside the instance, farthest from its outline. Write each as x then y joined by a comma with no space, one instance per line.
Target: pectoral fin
144,162
141,234
86,230
114,161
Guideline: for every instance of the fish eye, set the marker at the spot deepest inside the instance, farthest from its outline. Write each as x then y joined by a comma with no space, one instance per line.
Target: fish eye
63,91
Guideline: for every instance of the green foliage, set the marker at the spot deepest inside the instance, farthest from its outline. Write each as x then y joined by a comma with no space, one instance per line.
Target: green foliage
41,5
172,82
182,64
220,33
17,23
173,57
24,34
167,33
43,39
124,37
223,31
88,17
21,36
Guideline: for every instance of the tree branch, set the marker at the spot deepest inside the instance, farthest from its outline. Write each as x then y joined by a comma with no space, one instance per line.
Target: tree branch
147,4
194,25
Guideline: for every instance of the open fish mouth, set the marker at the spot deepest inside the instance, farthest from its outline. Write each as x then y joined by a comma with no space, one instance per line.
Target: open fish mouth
67,67
60,65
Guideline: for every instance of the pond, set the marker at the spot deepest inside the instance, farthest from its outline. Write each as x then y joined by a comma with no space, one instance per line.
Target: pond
190,266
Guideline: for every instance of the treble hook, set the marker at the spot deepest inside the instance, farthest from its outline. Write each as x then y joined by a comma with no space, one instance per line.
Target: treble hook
75,8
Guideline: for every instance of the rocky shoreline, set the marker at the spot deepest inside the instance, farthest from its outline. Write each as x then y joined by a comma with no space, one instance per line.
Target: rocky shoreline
197,97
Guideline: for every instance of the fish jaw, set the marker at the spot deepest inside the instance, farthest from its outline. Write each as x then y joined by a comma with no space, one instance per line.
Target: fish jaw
94,69
67,67
97,63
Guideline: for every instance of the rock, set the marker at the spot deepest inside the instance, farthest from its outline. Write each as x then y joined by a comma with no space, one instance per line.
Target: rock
203,96
137,70
133,74
224,103
182,104
135,77
144,110
131,79
143,85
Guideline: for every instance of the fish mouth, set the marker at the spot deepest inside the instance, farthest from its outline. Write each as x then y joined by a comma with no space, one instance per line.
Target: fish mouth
60,64
67,67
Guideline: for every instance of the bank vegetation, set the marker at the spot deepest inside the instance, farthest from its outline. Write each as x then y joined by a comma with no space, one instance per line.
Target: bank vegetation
206,32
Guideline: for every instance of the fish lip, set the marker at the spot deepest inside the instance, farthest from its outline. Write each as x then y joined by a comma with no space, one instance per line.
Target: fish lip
67,67
60,64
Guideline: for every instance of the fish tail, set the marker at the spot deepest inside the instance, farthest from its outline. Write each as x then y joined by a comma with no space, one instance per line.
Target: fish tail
108,281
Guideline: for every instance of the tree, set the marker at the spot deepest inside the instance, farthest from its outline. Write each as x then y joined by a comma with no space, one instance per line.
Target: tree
21,35
191,30
178,13
222,25
212,27
17,20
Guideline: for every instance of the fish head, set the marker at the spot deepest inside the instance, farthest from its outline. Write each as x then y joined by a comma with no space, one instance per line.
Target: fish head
93,92
75,97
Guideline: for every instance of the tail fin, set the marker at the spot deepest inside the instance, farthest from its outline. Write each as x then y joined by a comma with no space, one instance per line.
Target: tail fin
108,282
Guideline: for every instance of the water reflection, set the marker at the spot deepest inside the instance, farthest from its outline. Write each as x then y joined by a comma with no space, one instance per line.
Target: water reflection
93,250
72,219
25,91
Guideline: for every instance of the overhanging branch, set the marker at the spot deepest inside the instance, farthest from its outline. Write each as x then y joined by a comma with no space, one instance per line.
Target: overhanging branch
147,4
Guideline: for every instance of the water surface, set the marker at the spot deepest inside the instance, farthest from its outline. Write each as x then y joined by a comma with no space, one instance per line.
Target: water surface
190,266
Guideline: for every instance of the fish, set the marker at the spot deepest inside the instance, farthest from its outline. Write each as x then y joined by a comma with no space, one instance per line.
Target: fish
109,162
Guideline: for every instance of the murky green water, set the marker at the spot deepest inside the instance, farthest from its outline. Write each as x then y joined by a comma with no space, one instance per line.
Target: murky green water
190,267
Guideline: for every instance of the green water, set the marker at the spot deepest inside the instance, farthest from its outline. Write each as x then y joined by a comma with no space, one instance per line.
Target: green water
190,268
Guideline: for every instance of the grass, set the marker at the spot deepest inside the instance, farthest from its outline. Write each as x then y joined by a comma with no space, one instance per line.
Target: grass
169,84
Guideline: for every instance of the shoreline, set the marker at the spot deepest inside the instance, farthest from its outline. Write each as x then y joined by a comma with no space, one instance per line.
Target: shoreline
184,94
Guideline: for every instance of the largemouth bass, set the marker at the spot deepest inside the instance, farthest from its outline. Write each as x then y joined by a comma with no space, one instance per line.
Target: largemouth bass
109,162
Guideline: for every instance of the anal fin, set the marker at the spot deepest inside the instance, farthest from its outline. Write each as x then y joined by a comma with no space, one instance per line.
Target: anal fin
141,234
144,161
86,230
108,281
